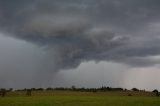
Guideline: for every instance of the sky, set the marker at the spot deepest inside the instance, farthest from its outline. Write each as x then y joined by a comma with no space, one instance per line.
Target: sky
86,43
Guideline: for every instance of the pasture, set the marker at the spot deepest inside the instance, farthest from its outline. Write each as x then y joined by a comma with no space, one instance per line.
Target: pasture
74,98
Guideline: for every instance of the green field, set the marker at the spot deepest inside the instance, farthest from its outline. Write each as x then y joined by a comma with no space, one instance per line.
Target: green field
70,98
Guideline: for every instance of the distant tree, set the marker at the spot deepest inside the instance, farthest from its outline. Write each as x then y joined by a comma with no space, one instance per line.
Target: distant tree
49,89
40,89
73,87
103,88
108,88
3,92
125,90
29,92
156,92
11,89
135,89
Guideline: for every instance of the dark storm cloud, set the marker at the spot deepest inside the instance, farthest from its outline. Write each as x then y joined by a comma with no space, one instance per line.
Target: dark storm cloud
74,31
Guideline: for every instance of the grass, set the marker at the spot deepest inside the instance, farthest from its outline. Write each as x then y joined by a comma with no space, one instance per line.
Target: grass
68,98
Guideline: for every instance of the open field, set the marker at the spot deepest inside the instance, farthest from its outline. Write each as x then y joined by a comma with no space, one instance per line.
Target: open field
71,98
80,101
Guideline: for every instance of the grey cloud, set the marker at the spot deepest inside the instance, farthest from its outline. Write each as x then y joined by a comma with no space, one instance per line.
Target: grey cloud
74,31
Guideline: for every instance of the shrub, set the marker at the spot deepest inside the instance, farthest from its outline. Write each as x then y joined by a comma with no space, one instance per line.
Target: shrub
135,89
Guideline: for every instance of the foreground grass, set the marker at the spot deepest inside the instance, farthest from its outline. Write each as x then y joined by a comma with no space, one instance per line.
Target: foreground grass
80,101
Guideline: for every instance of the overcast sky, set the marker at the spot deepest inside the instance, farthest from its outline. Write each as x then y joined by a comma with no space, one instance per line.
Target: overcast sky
86,43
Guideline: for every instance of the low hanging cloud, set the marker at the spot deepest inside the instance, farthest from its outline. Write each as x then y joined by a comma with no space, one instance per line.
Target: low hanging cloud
75,31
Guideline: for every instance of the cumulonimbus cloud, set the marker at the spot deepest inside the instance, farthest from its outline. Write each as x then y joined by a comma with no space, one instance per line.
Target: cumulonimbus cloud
74,31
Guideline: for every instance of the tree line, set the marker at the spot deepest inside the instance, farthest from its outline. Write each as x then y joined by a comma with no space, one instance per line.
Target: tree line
73,88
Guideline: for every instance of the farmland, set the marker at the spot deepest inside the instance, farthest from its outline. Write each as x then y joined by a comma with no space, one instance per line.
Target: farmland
75,98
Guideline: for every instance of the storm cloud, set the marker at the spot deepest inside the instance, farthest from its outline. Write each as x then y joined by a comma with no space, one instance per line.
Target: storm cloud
75,31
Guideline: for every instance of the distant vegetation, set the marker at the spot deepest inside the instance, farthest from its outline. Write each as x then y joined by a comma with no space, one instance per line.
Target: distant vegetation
73,88
73,96
28,92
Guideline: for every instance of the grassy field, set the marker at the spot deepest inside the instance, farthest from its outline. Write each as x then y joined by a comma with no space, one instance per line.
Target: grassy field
70,98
